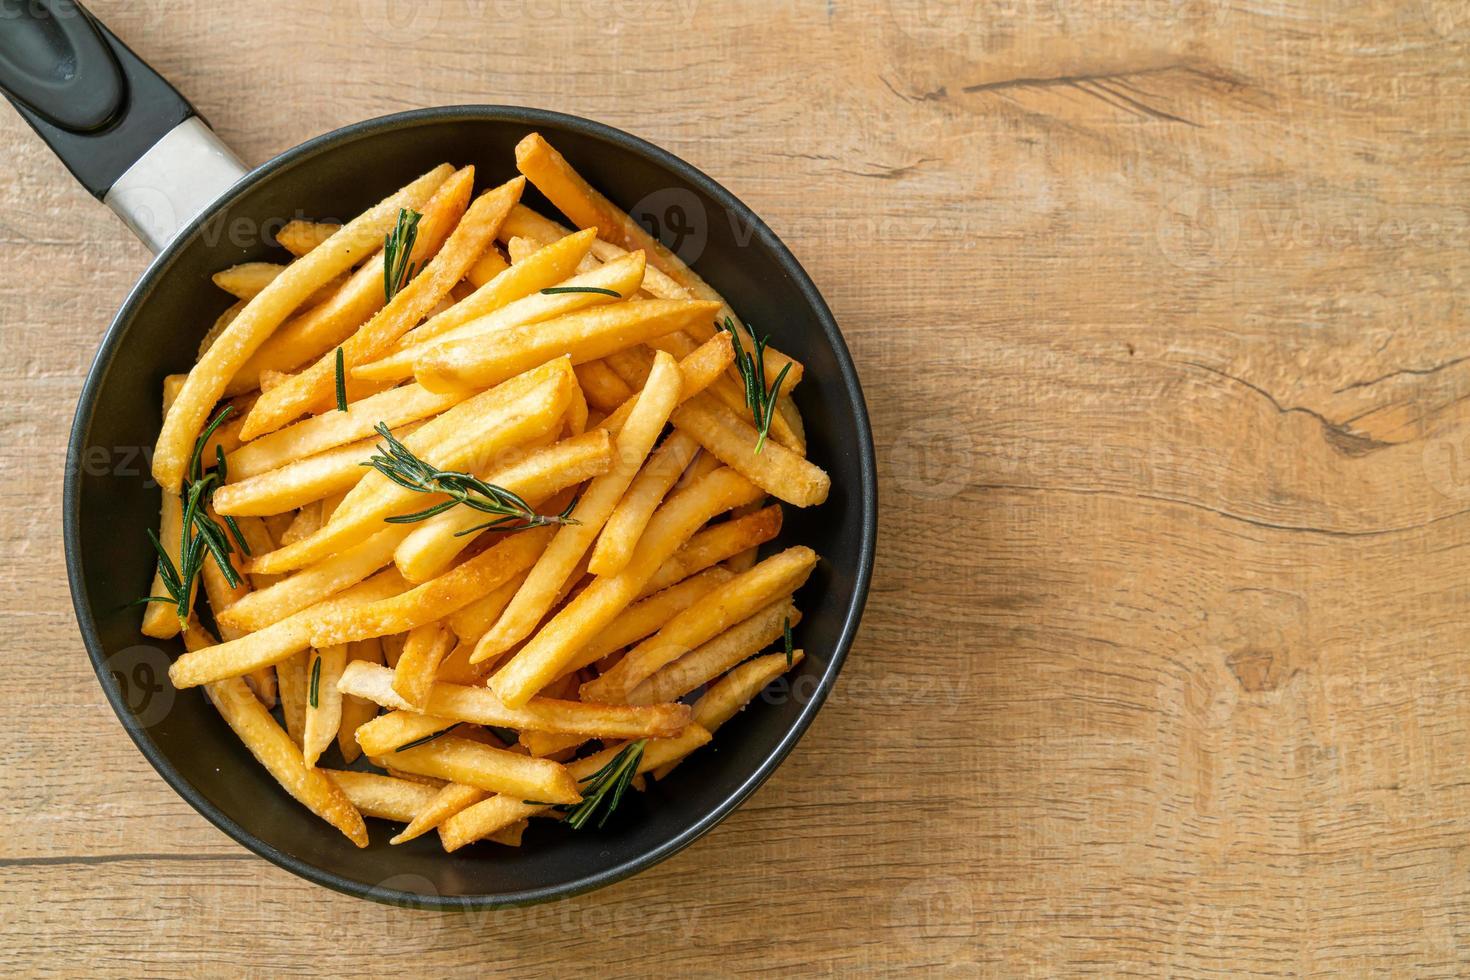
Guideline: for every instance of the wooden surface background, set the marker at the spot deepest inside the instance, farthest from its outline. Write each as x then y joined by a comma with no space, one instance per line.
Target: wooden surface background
1159,310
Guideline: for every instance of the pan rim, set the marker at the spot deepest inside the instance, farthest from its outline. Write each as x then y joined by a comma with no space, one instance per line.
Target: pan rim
102,364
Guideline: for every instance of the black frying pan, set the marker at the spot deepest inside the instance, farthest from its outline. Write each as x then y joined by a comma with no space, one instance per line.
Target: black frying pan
134,142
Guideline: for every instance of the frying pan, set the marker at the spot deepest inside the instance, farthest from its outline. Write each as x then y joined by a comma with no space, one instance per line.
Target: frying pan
134,142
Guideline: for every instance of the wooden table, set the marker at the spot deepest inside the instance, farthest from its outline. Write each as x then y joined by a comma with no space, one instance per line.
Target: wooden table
1158,310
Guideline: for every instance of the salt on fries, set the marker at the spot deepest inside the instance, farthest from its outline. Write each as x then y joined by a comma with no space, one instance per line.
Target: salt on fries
475,498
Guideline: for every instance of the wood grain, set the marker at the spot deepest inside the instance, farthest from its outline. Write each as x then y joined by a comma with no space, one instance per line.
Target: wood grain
1164,668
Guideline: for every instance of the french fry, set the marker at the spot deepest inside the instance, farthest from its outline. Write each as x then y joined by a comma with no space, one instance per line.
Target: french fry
497,812
714,544
472,622
299,236
433,544
357,712
621,277
291,686
698,369
314,584
775,469
492,422
207,380
301,482
620,533
425,647
323,701
553,176
734,691
520,249
247,279
584,336
526,223
555,566
319,433
604,390
480,706
737,599
161,619
274,643
221,323
549,266
308,521
259,540
460,760
445,803
383,797
486,267
386,734
546,655
313,387
437,598
717,655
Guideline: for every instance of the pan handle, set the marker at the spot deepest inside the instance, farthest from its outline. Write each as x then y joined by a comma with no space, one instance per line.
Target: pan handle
124,132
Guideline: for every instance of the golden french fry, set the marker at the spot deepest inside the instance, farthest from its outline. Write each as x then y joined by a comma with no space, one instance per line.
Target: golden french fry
357,712
313,387
620,534
435,543
584,336
698,369
274,643
555,566
472,622
247,279
717,655
445,803
386,734
207,381
323,701
621,278
737,599
734,691
291,685
492,422
319,433
546,655
161,619
480,706
383,797
775,469
486,267
301,482
520,249
715,544
299,237
604,390
437,598
488,816
460,760
425,647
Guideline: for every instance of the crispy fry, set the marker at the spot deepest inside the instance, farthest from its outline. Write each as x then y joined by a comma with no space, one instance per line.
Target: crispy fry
314,584
356,711
414,674
323,701
775,469
471,763
386,734
620,534
448,801
480,706
734,691
492,422
291,685
384,797
715,544
247,279
622,278
697,369
742,596
605,391
436,598
486,267
307,522
571,542
207,381
546,655
312,388
584,336
299,237
434,543
488,816
472,622
275,643
717,655
319,433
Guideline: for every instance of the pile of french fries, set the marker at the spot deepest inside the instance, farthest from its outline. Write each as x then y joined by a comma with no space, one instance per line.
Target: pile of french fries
489,672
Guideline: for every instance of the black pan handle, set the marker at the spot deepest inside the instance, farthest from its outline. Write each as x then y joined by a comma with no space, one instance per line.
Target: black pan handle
113,121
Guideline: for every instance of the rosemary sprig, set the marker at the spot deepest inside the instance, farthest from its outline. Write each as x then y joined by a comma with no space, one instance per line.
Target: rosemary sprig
341,381
752,367
608,783
554,290
427,738
316,680
786,639
398,463
397,249
199,533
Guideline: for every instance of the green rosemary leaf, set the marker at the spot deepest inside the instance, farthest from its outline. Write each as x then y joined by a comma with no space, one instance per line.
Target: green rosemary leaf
397,250
427,738
554,290
341,381
316,680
